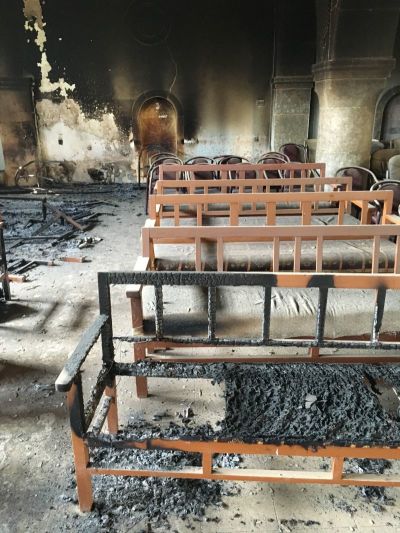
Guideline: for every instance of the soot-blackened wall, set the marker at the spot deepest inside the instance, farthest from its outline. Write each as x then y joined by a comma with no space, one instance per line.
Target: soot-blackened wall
215,58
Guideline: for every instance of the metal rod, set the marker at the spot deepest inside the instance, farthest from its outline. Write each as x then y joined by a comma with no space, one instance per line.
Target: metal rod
297,343
321,316
267,314
212,312
159,315
378,314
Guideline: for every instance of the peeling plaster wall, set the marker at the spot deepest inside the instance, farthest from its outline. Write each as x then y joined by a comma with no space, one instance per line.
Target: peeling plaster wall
68,134
34,23
65,131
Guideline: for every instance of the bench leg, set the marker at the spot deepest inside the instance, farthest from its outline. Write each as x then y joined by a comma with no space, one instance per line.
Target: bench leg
83,478
112,416
313,352
79,448
139,354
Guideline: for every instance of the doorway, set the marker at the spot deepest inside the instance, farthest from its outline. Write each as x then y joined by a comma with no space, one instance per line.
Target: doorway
158,126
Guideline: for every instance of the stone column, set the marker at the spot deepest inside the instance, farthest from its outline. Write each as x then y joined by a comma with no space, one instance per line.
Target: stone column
348,90
290,110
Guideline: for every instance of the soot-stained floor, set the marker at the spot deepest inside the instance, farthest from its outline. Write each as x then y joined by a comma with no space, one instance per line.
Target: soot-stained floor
38,330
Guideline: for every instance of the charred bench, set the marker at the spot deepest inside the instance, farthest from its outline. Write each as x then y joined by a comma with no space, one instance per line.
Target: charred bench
349,439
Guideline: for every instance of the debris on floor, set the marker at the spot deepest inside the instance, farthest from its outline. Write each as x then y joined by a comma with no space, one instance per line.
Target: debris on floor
50,226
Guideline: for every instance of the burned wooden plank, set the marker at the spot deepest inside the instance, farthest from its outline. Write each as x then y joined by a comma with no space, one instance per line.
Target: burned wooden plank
96,393
74,363
101,416
67,218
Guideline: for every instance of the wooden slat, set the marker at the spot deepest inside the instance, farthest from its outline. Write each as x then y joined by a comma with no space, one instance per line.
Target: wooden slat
220,254
198,263
271,214
306,213
234,214
199,218
397,257
375,254
341,211
176,215
319,254
297,254
276,254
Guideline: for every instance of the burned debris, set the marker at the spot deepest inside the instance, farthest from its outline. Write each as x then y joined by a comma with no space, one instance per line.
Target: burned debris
49,227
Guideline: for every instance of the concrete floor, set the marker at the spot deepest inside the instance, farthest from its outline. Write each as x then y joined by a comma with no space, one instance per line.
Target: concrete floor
38,329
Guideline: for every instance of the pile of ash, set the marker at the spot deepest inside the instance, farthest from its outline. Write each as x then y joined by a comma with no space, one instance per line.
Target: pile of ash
154,500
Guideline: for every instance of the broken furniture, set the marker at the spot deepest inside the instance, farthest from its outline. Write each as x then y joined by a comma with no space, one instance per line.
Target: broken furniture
361,429
5,284
44,172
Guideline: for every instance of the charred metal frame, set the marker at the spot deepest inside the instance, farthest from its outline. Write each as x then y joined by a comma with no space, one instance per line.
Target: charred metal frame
87,422
5,283
211,280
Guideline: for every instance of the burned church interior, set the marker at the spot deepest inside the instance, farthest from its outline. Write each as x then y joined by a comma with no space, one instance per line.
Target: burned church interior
200,266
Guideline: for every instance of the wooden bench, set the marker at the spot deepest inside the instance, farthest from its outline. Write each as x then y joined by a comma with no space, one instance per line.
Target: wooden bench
270,205
239,170
316,236
87,421
252,185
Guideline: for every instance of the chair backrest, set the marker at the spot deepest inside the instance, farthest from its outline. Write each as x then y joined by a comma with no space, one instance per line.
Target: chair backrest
394,167
278,155
271,160
363,178
232,159
295,152
159,155
248,175
390,185
201,160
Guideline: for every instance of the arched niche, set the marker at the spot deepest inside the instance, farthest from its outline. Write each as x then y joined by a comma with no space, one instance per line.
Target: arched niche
157,119
386,113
